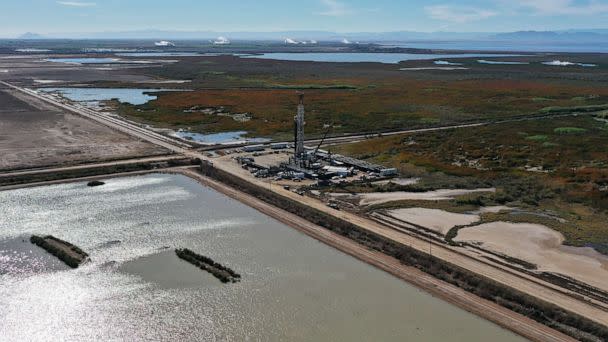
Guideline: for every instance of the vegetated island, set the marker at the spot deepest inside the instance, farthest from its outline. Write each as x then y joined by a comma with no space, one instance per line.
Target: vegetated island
71,255
221,272
95,183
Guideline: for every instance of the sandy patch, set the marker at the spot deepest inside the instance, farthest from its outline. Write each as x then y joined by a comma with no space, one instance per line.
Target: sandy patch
164,82
440,221
47,81
566,63
541,246
436,195
405,181
398,181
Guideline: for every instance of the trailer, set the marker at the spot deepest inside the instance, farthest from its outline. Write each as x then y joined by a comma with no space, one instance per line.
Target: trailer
279,146
254,148
388,172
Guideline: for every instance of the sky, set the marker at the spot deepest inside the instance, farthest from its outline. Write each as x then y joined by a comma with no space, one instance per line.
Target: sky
51,16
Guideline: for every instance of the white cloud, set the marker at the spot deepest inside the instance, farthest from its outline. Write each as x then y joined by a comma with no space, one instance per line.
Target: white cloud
565,7
76,3
335,8
458,14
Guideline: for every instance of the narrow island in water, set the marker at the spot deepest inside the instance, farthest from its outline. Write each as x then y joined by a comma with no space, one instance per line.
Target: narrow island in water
95,183
223,273
71,255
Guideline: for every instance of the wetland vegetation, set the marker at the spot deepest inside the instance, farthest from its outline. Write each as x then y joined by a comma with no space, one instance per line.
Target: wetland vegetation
369,97
555,169
550,163
223,273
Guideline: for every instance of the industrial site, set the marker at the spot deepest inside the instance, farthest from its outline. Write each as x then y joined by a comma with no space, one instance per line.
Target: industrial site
296,162
178,190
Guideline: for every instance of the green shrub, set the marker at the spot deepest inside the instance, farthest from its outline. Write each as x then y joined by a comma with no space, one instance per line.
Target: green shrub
569,130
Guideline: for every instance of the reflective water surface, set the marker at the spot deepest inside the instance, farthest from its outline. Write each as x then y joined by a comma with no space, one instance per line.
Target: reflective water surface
176,54
226,138
293,287
133,96
497,45
358,57
84,60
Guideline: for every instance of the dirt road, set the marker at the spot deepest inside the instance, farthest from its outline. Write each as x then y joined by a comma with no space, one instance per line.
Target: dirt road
35,171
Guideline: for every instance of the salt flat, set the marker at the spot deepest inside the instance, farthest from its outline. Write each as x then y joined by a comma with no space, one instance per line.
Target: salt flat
541,246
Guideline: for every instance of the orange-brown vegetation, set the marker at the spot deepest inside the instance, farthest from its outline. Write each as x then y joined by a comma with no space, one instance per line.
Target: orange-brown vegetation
359,97
559,173
396,105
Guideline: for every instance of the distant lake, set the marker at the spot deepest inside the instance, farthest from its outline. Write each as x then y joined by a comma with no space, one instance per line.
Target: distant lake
86,60
133,96
504,46
354,57
483,61
32,50
159,54
176,54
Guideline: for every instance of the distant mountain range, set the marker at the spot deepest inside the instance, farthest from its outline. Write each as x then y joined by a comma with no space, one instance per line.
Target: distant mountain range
566,36
591,35
30,35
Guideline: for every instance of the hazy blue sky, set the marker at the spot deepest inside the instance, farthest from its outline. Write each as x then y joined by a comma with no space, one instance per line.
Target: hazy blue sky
49,16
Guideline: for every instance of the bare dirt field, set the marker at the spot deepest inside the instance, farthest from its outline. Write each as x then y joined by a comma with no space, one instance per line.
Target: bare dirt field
440,221
272,159
34,134
541,246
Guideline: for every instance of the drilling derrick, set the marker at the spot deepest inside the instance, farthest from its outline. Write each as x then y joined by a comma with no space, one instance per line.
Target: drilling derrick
299,131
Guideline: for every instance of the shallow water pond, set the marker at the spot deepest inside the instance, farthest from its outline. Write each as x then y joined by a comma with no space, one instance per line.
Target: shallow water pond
134,289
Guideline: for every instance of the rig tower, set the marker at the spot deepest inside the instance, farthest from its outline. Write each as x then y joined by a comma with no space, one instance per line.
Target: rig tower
299,152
